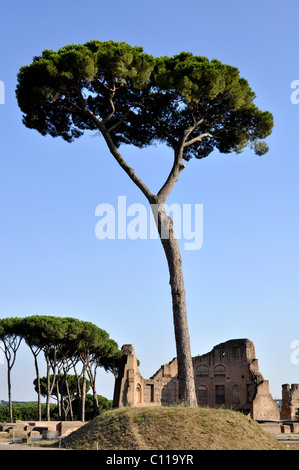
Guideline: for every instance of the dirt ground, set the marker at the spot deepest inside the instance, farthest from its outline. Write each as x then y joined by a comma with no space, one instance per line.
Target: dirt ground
5,444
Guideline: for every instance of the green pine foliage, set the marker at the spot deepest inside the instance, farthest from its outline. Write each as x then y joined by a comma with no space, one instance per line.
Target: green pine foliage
154,99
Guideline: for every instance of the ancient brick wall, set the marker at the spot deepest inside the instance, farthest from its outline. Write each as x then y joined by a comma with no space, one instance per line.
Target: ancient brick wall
263,405
40,428
223,377
290,401
228,376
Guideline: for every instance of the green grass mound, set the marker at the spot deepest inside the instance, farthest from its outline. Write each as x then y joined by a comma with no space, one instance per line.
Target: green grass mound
171,428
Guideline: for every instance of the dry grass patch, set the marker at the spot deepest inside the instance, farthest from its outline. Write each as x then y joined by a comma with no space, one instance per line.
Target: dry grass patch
171,428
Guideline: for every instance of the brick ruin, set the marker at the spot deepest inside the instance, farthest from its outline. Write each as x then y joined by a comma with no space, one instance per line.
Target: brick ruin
44,429
290,402
228,376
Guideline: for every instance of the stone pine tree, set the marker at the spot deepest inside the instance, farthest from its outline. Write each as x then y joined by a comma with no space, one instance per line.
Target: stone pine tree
10,340
187,102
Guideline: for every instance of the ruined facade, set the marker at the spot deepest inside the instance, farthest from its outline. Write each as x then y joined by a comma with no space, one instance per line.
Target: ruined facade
290,402
228,376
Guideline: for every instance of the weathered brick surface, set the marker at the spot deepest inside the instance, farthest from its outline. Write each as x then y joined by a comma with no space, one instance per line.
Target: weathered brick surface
228,376
271,427
290,402
40,428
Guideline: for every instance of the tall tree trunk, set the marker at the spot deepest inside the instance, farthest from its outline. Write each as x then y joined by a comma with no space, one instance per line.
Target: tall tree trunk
9,392
92,378
79,391
96,409
70,407
164,223
48,400
59,393
83,396
185,364
39,405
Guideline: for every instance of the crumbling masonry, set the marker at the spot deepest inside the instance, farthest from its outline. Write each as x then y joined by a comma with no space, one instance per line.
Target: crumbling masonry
290,402
228,376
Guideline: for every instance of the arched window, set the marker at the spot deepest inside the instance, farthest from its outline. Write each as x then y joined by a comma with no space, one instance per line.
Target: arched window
219,371
220,394
202,370
138,393
202,395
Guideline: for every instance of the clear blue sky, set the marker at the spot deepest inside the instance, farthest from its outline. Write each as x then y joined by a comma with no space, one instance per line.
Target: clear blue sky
244,280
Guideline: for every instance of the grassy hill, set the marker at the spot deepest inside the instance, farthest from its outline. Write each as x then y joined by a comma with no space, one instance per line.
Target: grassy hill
171,428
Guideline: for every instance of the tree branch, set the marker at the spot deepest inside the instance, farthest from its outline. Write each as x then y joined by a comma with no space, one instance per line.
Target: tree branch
177,168
110,99
178,164
114,126
130,171
119,158
197,139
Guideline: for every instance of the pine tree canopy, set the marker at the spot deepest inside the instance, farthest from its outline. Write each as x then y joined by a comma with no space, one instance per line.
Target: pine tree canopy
141,100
